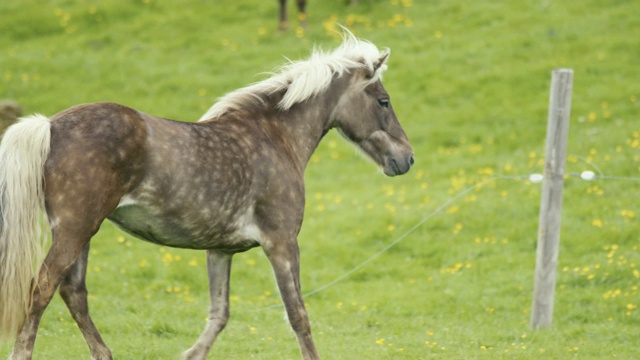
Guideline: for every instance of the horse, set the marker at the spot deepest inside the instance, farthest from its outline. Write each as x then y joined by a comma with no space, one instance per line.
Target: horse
302,14
228,183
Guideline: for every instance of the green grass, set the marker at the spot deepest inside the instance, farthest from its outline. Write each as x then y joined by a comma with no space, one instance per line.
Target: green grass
470,83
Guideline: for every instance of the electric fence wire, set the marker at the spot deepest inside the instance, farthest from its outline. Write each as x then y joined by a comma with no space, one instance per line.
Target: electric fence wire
586,175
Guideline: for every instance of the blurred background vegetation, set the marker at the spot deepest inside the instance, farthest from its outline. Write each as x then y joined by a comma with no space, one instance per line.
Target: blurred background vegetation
469,82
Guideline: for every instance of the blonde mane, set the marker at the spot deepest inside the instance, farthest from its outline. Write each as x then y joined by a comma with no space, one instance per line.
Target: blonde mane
304,79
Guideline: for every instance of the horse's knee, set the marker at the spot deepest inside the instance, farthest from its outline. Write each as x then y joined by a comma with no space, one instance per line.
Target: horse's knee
299,321
219,318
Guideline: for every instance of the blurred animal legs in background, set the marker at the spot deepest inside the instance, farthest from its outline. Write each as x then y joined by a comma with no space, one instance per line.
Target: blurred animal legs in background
10,111
302,14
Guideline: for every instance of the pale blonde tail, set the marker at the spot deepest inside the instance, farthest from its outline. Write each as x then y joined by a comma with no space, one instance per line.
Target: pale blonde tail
23,152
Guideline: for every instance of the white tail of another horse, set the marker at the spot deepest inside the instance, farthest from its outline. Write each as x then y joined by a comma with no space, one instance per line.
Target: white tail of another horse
23,152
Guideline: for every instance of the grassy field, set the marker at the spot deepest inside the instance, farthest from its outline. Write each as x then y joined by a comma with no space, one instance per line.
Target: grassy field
469,82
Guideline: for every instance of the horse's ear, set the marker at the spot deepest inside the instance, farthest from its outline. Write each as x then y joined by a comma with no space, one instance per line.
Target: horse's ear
381,60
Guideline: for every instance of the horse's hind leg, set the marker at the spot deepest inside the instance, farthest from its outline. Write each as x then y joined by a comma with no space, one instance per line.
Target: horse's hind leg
65,248
73,291
218,267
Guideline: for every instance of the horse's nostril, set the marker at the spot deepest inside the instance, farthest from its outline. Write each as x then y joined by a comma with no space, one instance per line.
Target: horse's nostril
411,161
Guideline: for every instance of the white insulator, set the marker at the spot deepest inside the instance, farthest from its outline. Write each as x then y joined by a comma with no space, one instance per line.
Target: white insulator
587,175
536,178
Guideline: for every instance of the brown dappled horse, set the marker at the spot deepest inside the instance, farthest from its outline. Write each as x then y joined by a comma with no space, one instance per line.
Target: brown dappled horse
228,183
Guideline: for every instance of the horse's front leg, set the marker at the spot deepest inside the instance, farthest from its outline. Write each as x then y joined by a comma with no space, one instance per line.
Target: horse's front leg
285,260
219,268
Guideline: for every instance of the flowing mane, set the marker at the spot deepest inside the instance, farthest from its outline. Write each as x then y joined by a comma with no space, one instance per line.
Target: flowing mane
304,79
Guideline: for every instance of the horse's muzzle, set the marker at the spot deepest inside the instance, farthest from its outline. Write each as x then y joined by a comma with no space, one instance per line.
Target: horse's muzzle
398,165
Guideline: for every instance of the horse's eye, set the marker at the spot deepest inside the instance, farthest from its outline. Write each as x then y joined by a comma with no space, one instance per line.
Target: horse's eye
383,102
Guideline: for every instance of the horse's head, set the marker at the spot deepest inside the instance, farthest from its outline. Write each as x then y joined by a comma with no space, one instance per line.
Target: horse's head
364,116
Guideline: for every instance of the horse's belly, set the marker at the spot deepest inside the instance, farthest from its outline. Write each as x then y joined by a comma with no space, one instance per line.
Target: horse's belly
144,224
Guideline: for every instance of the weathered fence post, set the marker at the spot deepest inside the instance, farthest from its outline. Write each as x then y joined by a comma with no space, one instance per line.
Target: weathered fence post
551,201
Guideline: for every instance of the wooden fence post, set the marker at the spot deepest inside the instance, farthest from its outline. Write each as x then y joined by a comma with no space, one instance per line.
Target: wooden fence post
551,201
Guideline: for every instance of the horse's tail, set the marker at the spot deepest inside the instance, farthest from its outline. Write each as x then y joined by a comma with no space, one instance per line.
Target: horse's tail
23,152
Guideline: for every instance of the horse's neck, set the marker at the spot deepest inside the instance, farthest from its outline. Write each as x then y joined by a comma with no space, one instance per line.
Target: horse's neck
306,123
